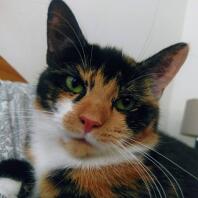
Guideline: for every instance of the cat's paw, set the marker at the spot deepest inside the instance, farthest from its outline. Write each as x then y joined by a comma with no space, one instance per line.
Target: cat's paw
9,188
16,178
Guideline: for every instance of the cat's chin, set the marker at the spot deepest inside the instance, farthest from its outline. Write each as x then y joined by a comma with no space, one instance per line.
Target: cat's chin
79,147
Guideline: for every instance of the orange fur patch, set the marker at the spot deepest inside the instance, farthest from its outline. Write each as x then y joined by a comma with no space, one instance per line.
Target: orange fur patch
100,182
47,189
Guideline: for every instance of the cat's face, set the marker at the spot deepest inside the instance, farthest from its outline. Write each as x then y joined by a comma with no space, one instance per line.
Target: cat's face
99,100
108,103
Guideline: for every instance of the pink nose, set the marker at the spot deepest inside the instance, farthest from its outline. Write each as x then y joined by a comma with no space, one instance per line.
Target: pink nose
89,124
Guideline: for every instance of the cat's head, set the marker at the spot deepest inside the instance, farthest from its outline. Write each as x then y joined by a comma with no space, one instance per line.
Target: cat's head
99,100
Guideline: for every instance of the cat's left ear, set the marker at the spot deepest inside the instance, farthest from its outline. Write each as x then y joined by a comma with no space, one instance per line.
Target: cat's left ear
163,66
63,31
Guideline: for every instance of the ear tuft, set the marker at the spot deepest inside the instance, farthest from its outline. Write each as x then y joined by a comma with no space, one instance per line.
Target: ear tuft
164,66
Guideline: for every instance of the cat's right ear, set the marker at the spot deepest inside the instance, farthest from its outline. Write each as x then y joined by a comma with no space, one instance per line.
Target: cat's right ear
63,31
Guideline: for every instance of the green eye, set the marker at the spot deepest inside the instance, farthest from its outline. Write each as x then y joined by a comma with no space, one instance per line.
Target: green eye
124,104
74,85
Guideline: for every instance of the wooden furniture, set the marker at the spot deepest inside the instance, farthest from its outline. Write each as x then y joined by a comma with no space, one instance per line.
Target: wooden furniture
7,72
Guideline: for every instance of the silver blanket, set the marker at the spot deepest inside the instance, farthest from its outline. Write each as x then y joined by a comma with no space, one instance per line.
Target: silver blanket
15,117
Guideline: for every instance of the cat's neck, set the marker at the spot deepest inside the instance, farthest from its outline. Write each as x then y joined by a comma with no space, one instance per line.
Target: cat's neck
98,182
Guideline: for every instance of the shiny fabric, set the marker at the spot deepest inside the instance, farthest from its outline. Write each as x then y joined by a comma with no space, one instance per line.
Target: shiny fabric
16,101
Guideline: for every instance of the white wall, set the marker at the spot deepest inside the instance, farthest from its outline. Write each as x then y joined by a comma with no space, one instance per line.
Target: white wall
22,35
185,84
139,27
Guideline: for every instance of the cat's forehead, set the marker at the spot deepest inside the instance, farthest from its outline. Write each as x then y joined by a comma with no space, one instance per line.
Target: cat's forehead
109,63
96,82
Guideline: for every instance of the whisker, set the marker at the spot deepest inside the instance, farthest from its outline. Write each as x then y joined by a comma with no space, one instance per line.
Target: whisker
139,172
174,163
149,175
163,169
165,173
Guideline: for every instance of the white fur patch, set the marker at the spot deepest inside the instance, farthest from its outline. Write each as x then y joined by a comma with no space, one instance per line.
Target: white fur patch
9,188
50,154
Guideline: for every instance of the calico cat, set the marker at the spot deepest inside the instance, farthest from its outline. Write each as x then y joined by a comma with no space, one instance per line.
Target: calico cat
96,117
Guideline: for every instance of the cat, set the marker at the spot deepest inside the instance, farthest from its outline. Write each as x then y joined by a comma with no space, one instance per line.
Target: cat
95,121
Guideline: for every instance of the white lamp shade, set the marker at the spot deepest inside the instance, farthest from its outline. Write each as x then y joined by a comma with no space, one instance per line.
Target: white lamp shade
190,120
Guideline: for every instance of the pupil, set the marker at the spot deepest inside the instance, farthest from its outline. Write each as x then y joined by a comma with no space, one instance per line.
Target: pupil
126,101
75,82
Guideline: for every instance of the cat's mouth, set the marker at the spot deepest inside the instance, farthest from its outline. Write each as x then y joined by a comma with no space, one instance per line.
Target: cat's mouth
81,139
79,147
